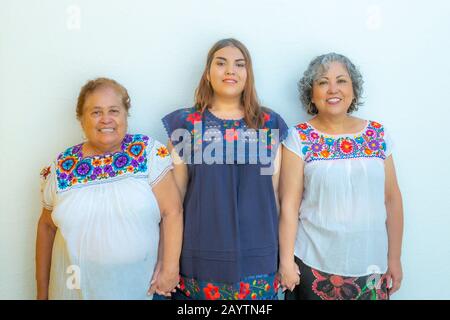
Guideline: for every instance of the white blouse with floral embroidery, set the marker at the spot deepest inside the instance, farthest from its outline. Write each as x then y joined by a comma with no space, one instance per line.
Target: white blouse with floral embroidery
108,220
342,222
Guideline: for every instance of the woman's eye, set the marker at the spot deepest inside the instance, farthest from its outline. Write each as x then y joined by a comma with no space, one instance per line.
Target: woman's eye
220,63
241,65
115,111
342,81
96,113
321,83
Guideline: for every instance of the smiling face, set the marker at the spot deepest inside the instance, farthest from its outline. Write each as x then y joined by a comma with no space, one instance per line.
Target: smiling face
332,91
104,119
228,73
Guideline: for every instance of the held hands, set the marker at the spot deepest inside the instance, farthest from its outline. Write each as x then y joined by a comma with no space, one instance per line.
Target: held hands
289,275
394,274
164,280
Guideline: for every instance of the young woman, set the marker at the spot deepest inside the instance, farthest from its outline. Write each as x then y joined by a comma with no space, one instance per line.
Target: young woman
226,147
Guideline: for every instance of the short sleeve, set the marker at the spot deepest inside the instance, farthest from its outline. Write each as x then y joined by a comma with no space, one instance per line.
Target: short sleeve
174,121
160,163
48,186
389,143
293,143
282,126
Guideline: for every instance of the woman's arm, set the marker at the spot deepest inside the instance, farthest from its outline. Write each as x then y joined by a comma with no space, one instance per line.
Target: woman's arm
291,190
167,195
44,245
180,171
394,208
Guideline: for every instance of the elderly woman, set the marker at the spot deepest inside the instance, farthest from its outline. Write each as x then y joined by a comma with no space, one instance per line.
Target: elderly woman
341,220
103,203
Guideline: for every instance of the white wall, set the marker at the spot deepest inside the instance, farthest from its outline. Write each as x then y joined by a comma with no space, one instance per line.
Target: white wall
157,49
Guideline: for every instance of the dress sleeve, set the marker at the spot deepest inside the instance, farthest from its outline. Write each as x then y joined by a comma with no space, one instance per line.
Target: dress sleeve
389,143
293,143
48,186
160,163
281,125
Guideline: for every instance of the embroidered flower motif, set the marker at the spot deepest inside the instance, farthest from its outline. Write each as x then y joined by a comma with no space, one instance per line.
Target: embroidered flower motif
370,133
376,125
325,153
316,147
72,169
194,117
374,145
97,162
67,164
45,172
303,136
244,290
333,287
254,296
135,150
121,161
107,160
368,151
303,126
211,292
266,116
314,135
359,139
83,169
346,146
329,141
231,135
162,152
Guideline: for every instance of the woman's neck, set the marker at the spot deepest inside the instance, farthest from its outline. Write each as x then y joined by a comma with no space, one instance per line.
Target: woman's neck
333,123
227,105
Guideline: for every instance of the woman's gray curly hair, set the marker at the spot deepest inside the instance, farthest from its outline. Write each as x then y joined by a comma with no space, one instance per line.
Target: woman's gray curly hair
320,65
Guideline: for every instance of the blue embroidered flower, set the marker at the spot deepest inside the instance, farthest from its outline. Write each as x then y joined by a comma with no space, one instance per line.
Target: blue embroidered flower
120,161
359,139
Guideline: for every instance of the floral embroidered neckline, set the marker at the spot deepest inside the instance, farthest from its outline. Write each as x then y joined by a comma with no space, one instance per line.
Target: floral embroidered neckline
367,143
73,169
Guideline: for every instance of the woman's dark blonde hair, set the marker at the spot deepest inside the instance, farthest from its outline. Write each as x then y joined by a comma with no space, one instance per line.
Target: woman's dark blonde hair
95,84
253,113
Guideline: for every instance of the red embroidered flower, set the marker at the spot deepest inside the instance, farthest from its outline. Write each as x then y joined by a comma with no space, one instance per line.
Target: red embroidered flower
375,124
325,153
253,296
267,287
276,284
244,290
45,172
303,126
231,135
333,287
182,285
346,147
194,117
211,292
266,116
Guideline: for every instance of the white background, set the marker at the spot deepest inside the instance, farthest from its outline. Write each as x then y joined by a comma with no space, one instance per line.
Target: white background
157,49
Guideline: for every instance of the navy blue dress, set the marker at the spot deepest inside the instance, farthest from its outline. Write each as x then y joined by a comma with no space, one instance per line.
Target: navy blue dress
230,212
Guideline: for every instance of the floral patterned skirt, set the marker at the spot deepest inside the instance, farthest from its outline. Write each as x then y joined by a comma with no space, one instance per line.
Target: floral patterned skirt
259,287
317,285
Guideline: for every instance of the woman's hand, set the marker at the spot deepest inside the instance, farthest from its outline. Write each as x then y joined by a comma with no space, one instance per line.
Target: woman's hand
164,281
394,274
289,276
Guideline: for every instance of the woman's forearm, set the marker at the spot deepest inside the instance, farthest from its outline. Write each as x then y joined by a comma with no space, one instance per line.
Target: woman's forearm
287,232
172,230
44,247
394,223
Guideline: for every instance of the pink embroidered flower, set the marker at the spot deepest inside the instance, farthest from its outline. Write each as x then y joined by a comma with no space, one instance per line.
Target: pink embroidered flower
370,133
314,135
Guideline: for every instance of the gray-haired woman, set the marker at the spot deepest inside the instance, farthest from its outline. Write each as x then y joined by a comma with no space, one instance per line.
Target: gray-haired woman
341,219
